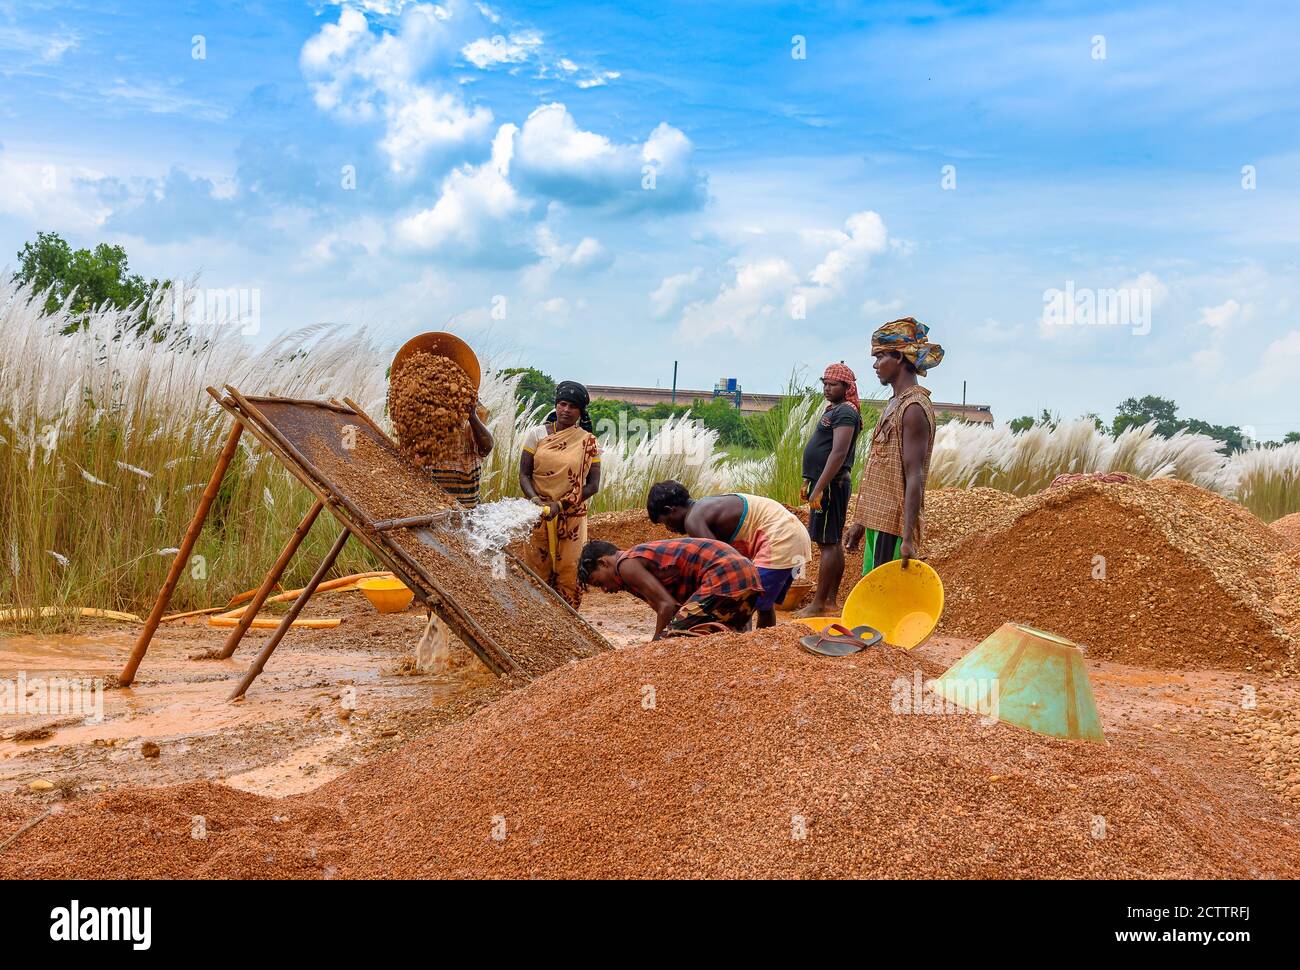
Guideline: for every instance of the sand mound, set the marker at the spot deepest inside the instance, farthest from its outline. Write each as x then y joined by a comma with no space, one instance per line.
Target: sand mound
1188,578
951,515
728,756
625,529
1289,527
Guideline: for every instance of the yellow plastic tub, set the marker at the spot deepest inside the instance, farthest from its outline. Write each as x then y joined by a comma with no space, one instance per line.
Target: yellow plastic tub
903,604
387,594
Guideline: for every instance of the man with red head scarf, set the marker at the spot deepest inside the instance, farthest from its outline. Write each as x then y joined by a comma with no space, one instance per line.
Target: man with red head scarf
827,481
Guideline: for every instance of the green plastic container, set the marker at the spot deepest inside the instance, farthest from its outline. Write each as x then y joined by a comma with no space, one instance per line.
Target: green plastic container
1027,677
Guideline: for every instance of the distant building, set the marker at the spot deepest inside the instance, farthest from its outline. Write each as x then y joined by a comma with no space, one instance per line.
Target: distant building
753,403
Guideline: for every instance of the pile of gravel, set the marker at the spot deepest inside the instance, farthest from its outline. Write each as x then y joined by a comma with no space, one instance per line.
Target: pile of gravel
729,757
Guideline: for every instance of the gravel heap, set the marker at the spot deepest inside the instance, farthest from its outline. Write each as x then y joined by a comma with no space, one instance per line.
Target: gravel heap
749,759
428,402
625,529
1289,527
953,514
1189,577
1270,733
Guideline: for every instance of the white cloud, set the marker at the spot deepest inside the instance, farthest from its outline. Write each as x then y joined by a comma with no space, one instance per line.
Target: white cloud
1218,317
884,309
403,77
672,290
587,257
764,284
849,251
478,213
583,168
1279,365
43,195
755,296
27,47
499,49
362,76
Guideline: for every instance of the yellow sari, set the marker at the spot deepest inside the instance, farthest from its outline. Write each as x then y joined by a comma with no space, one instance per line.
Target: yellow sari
562,461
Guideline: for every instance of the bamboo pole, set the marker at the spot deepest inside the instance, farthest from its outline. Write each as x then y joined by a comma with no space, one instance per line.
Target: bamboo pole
326,565
273,577
414,521
182,555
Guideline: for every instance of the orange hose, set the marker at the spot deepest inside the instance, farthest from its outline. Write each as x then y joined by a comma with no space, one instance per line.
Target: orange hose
231,618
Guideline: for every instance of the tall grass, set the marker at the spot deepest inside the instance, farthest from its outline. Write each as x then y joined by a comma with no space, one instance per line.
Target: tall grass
108,438
1266,480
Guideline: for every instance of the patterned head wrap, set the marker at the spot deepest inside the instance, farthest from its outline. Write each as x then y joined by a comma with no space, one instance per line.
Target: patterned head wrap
841,372
911,338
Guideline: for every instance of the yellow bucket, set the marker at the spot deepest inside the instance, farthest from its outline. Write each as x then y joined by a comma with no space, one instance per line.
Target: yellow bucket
387,594
903,604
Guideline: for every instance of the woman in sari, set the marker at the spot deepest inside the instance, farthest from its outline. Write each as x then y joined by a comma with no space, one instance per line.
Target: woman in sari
559,470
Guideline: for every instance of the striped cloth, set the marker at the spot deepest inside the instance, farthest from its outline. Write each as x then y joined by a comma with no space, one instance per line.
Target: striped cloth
459,477
693,568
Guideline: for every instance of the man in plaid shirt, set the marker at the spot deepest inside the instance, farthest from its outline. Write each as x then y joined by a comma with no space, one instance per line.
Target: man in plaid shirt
688,582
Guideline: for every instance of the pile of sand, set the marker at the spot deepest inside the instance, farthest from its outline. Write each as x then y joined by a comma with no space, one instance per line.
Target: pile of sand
428,402
1158,573
951,514
728,756
1289,527
625,529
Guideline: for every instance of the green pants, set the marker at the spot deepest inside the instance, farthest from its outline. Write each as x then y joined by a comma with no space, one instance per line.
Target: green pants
878,549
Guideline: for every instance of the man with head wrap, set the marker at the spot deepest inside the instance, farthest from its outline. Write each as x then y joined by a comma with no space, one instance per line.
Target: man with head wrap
828,482
559,470
891,496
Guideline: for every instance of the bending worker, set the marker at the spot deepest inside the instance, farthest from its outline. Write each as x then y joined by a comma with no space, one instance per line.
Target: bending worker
759,528
891,496
692,584
559,470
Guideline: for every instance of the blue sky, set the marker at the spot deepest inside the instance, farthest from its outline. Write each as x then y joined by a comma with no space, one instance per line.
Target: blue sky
951,161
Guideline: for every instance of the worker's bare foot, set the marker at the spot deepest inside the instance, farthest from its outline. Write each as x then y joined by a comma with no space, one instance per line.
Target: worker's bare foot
818,609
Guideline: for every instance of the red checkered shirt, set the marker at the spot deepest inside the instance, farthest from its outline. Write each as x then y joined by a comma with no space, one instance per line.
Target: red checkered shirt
691,567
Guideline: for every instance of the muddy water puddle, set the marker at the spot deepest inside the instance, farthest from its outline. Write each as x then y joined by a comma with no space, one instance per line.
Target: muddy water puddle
326,700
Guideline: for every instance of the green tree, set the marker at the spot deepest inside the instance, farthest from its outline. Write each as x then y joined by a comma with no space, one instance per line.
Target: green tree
91,278
534,387
722,416
1025,422
603,409
1291,437
1136,412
